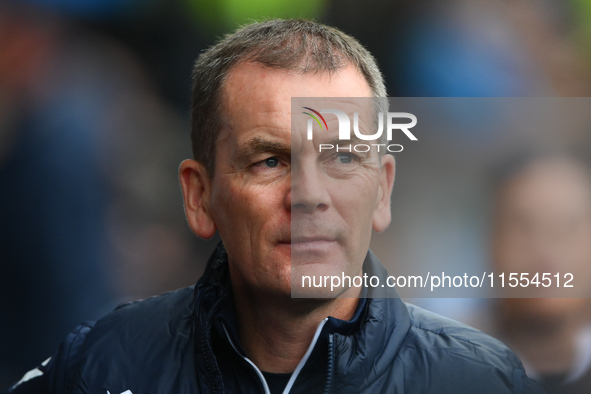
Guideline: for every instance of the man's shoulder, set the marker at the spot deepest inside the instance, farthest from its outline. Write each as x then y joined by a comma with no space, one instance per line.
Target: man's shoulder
137,341
125,349
439,333
463,355
153,310
145,324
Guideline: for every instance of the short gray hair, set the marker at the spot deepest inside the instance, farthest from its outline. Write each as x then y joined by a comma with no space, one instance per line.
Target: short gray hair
297,45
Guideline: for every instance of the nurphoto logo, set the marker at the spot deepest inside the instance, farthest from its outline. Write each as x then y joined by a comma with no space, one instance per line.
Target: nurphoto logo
391,120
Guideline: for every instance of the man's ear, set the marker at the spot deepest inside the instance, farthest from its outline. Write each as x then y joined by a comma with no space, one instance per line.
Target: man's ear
382,215
196,185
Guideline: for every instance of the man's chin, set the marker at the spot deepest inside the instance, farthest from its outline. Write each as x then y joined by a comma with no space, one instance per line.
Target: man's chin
318,294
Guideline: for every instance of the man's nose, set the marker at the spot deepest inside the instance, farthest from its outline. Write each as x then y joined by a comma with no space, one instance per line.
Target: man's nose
309,189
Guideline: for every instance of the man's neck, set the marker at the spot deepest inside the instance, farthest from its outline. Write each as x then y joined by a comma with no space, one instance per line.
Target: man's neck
275,332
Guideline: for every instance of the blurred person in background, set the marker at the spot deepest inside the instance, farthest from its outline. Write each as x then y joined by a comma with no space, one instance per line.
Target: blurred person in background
53,231
543,224
88,211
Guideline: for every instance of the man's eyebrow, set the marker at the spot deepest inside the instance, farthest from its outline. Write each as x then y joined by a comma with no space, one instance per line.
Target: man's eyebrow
261,145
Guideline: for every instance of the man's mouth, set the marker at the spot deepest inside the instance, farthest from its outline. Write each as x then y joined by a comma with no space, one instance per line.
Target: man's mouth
311,244
310,239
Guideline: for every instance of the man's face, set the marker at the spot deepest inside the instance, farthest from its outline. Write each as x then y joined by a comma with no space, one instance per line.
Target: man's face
544,226
254,191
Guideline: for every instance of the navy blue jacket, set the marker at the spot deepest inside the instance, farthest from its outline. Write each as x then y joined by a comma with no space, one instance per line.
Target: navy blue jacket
186,342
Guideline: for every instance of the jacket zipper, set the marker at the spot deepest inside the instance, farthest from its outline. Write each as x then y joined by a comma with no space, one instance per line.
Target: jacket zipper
330,365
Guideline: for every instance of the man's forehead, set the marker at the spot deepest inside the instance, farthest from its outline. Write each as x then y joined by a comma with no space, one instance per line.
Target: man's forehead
250,92
257,100
254,79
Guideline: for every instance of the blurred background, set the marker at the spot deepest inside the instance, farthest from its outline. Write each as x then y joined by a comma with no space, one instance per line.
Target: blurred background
94,98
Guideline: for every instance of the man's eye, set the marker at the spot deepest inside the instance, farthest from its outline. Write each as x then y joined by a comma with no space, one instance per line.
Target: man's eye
270,162
345,158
